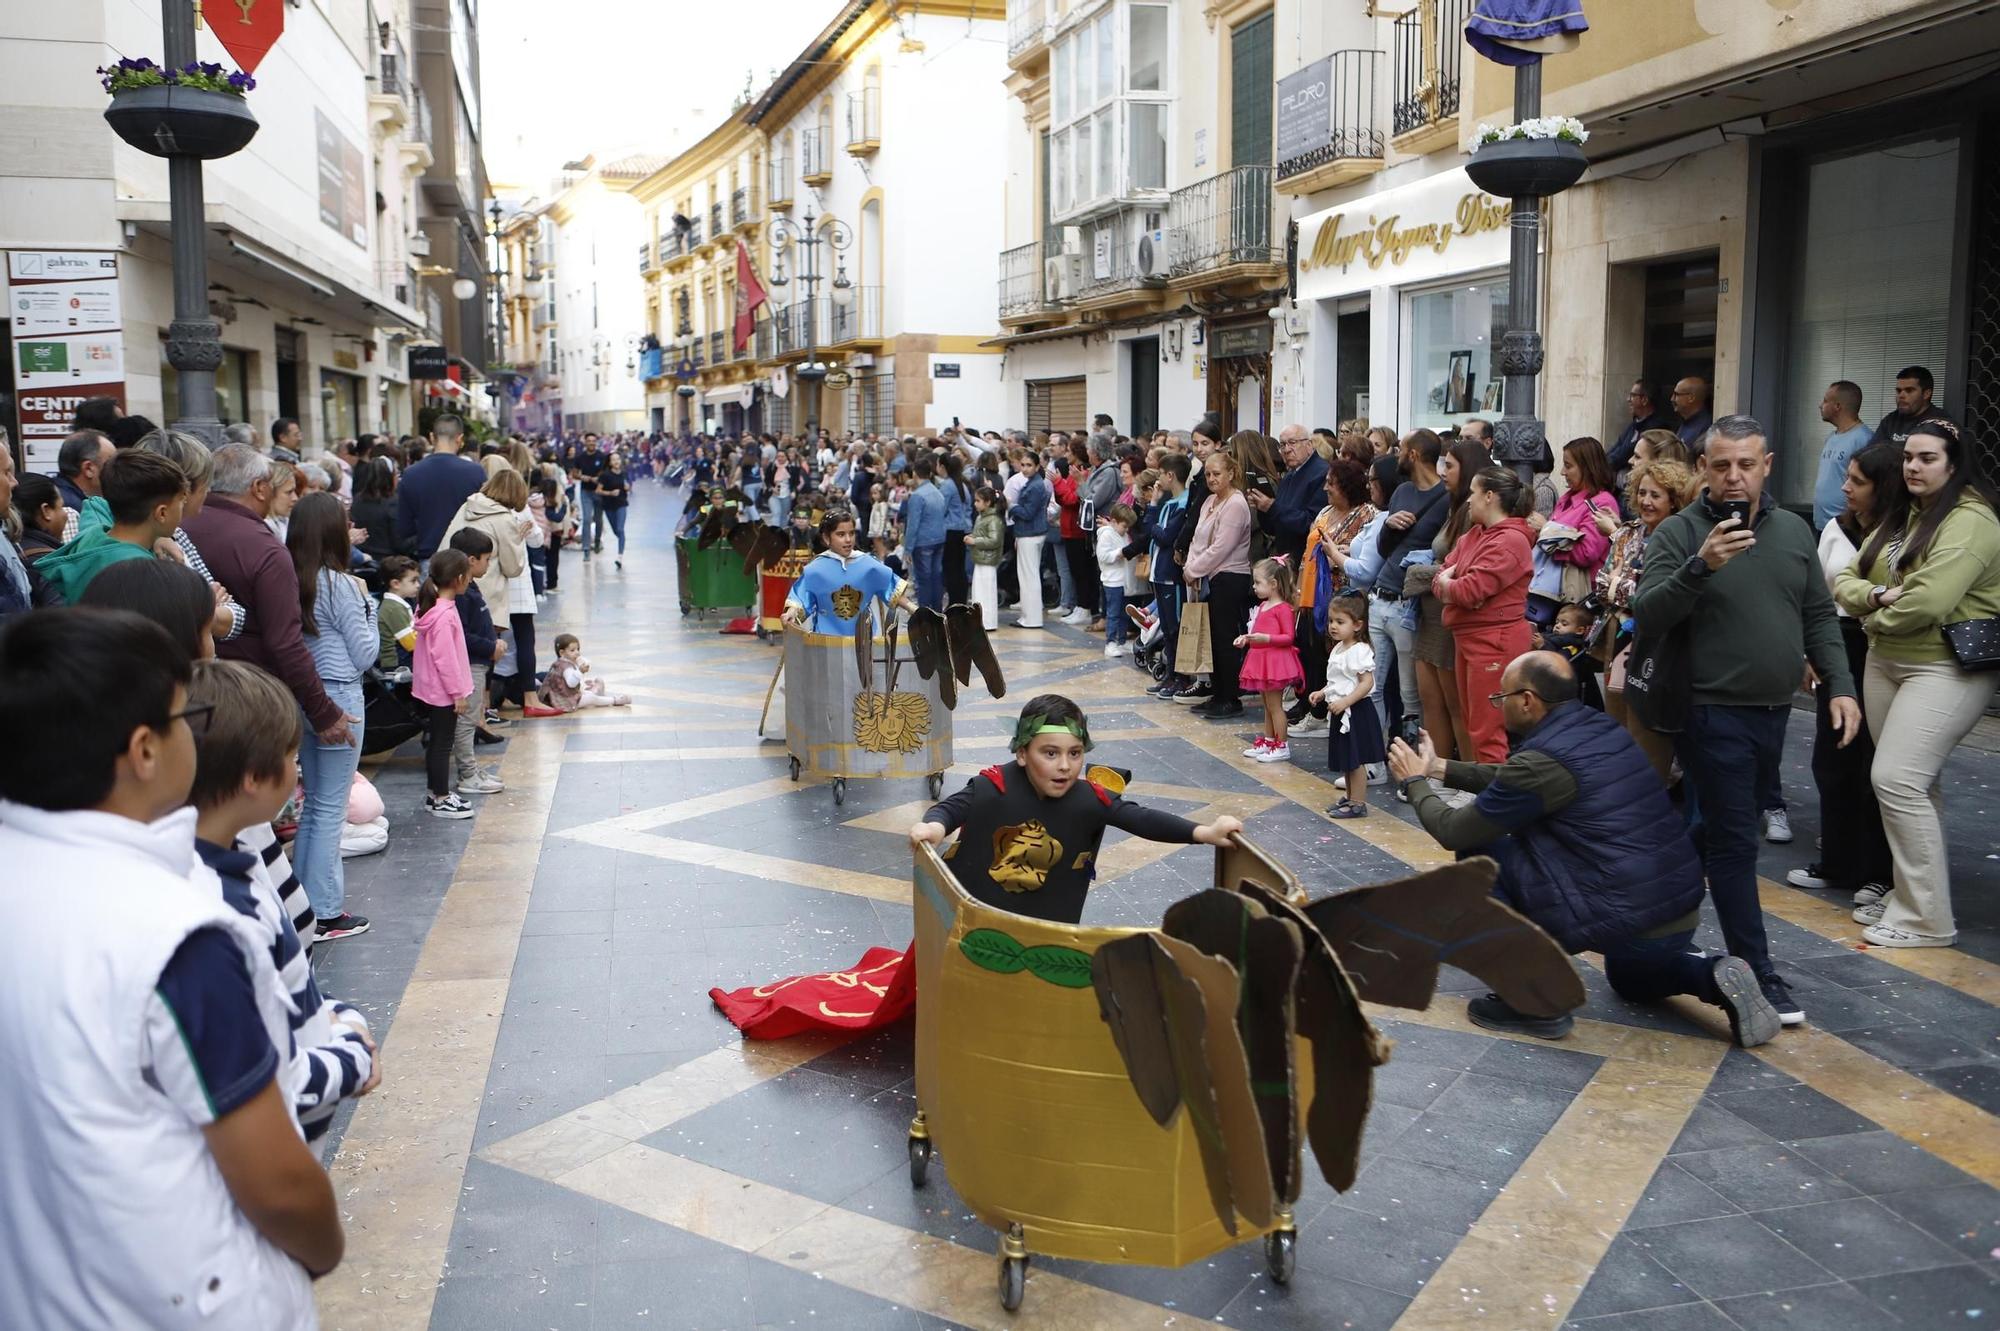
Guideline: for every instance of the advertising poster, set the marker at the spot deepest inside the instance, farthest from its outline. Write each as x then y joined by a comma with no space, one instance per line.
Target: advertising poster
64,312
343,182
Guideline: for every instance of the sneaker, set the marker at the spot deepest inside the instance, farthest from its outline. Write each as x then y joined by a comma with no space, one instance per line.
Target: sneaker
1347,809
1113,650
480,783
1752,1018
1870,913
1257,746
1024,624
342,926
1812,876
1780,997
447,806
1216,710
1311,725
1340,783
493,717
1169,691
1194,695
1077,616
1492,1013
1377,774
1882,935
1870,892
482,736
1777,826
1279,752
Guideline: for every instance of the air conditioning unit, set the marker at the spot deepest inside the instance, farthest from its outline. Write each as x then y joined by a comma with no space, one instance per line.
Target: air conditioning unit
1149,254
420,245
1062,277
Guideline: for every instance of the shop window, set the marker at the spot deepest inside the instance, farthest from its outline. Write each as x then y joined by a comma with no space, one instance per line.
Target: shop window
232,387
1872,291
1450,375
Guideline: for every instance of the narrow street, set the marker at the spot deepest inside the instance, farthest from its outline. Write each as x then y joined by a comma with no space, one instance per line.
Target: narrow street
569,1135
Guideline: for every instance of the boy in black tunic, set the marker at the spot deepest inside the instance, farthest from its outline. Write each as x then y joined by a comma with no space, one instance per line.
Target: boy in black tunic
1029,830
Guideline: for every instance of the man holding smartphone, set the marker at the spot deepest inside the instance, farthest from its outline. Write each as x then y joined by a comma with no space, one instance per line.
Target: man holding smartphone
1742,578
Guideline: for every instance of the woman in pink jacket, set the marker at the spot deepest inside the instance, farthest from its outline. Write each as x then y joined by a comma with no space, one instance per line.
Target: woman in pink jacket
1588,491
1484,587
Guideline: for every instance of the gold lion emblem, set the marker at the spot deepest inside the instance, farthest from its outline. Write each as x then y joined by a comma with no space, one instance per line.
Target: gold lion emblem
1023,854
846,602
891,722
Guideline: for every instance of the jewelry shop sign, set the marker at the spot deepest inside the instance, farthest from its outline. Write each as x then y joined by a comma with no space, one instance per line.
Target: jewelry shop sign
1435,228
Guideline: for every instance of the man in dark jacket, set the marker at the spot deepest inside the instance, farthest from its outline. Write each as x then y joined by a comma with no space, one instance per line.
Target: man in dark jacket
431,492
1648,413
1914,386
248,560
1288,516
1589,848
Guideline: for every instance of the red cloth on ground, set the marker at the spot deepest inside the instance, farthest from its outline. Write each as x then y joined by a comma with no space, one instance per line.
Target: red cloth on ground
877,991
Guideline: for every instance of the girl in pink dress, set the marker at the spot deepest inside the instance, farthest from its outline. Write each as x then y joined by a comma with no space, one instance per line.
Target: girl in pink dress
1270,661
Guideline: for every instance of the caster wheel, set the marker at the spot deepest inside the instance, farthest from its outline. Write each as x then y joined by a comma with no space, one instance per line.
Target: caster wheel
1013,1282
935,784
839,791
1281,1254
920,1161
795,769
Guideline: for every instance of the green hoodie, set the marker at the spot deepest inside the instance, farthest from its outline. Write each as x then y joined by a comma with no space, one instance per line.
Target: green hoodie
70,568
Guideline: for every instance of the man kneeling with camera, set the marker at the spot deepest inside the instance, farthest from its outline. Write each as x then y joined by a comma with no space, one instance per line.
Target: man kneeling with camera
1589,848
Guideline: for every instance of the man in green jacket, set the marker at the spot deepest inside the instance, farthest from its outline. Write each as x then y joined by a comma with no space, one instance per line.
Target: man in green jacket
1756,609
145,493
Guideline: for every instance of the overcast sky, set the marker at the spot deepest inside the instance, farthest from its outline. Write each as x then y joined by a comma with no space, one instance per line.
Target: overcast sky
614,77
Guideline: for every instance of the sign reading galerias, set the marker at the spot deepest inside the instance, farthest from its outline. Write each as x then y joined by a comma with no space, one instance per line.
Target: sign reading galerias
64,312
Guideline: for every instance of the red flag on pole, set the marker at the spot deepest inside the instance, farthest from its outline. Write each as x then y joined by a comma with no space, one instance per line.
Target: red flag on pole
247,29
749,295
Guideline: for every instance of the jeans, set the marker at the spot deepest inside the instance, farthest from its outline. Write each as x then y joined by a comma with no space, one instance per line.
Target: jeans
927,571
781,510
1082,551
462,751
328,771
616,517
1066,598
1646,970
1918,713
592,533
1167,604
1393,642
1116,626
1721,751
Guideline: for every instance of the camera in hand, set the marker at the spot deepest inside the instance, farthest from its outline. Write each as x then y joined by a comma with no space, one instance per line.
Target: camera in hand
1410,731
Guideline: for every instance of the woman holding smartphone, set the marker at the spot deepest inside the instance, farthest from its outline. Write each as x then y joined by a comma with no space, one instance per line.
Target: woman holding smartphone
1589,490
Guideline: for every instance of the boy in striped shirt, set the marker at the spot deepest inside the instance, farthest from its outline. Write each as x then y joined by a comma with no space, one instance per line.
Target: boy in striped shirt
243,775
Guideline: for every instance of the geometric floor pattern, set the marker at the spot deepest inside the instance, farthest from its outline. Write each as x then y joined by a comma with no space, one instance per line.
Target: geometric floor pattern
569,1136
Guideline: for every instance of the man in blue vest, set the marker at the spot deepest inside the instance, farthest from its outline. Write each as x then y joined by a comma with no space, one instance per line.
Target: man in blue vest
1589,848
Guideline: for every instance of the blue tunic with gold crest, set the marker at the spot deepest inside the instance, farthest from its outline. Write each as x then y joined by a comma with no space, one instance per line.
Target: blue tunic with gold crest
833,592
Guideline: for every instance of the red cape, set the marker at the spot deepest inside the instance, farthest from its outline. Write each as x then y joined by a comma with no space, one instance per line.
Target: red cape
875,992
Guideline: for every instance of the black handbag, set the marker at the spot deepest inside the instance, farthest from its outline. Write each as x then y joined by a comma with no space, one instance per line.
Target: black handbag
1658,680
1975,642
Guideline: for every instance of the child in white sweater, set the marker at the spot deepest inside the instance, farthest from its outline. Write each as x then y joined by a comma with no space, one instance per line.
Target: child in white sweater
568,687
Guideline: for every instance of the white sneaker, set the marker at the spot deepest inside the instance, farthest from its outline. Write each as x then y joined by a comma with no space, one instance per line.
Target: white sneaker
447,806
1777,826
1115,649
1256,747
1869,914
1869,894
480,783
1809,877
1340,783
1377,774
1275,753
1311,725
1077,616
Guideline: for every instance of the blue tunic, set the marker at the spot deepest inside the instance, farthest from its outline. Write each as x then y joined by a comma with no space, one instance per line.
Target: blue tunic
828,586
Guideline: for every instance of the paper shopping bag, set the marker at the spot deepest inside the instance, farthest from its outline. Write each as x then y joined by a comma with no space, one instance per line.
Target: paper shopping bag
1192,653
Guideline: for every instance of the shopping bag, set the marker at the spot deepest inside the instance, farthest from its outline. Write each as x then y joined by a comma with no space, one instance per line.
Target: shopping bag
1192,653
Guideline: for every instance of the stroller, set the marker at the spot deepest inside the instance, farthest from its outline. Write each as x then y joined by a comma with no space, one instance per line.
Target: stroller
391,715
1149,648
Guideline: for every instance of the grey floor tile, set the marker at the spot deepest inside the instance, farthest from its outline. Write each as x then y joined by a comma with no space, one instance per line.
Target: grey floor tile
1502,1101
1478,1149
558,1299
1764,1176
1426,1194
1712,1128
1674,1195
1878,1162
1967,1216
1791,1112
1816,1308
1686,1317
1629,1280
566,922
1951,1296
1976,1083
1741,1071
1925,1046
1857,1237
1388,1252
1729,1255
1201,1289
1314,1304
1407,1081
1538,1064
1439,1048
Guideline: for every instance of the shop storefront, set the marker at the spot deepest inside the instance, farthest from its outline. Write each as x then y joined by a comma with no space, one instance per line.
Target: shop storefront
1402,297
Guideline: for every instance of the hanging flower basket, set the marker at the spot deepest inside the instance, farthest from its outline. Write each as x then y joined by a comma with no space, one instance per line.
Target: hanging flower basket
1532,159
198,111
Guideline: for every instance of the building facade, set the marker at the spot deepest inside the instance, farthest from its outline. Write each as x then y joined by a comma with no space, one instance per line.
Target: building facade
599,324
316,231
1778,197
1143,252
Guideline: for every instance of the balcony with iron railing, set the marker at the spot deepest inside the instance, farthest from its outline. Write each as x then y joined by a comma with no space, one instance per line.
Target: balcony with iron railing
1429,47
718,348
702,239
1021,281
1352,147
1027,30
742,208
765,343
743,352
1227,221
545,314
645,257
677,245
858,320
718,223
1112,267
802,326
670,247
781,183
815,158
864,121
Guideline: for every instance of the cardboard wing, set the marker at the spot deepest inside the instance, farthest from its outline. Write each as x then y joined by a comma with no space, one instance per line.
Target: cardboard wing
1393,937
1237,1131
1266,953
1128,976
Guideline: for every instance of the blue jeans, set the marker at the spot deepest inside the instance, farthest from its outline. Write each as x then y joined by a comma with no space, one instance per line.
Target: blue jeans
1066,598
328,771
927,571
1116,627
1167,604
616,517
1724,753
592,531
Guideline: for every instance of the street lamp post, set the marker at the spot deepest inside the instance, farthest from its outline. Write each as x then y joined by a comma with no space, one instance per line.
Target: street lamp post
808,236
194,341
502,373
1520,435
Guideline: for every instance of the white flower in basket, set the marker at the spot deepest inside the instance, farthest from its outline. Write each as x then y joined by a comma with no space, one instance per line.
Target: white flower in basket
1566,128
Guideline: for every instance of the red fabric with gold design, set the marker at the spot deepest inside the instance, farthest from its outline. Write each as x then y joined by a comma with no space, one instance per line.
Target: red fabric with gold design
876,991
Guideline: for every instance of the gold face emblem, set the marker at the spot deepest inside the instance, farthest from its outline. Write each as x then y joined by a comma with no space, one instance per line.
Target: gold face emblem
891,722
846,602
1023,854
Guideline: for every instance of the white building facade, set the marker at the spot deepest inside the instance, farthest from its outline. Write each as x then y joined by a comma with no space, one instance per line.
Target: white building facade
599,303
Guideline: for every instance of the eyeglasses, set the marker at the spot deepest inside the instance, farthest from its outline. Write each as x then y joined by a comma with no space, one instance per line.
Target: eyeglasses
1497,698
197,716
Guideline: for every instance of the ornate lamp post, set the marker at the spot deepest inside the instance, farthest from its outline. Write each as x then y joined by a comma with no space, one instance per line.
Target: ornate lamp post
806,237
502,373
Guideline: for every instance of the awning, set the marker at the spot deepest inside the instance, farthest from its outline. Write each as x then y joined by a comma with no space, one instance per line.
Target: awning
738,395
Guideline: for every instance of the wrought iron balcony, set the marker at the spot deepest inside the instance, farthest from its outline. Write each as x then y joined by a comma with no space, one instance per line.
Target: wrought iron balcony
864,121
645,257
766,341
815,157
716,226
739,207
1223,221
1027,27
859,320
718,348
1021,280
781,182
1354,142
1429,47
